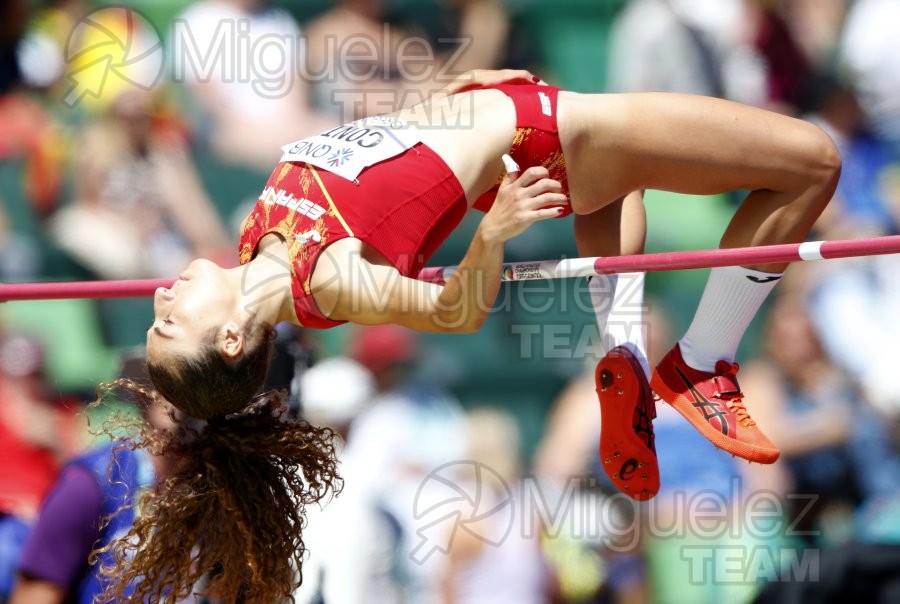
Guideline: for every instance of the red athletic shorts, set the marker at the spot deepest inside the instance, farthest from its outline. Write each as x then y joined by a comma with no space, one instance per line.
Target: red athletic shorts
536,142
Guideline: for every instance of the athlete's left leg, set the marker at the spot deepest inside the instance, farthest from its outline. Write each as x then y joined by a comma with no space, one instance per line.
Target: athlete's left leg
615,230
700,145
627,450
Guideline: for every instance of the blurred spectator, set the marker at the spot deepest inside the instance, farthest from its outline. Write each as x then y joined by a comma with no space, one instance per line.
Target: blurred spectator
853,305
353,60
242,61
851,301
27,132
702,509
80,513
877,520
36,432
867,200
19,257
479,29
568,446
31,137
807,406
855,572
815,25
344,539
460,34
12,24
869,50
513,570
840,501
407,431
568,450
789,71
334,391
54,567
366,60
701,487
692,46
42,50
140,209
584,569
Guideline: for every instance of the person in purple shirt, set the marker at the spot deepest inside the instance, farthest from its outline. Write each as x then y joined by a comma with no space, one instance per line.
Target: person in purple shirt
78,517
56,564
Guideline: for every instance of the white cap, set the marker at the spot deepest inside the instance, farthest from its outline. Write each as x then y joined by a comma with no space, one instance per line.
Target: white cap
334,390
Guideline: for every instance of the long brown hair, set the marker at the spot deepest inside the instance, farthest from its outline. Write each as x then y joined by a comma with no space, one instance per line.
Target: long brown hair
207,385
230,511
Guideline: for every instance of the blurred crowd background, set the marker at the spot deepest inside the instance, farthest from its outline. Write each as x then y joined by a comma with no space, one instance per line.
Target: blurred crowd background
130,176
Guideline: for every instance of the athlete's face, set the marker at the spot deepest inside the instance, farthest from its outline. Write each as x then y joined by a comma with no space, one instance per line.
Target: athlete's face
198,304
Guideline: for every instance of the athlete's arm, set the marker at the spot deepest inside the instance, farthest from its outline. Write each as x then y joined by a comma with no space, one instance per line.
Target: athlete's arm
372,294
350,289
521,201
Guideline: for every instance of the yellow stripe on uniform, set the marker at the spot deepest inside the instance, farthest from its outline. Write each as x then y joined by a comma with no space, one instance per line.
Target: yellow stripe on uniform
330,201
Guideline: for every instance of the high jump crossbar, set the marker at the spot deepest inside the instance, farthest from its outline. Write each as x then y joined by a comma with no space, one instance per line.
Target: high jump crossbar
523,271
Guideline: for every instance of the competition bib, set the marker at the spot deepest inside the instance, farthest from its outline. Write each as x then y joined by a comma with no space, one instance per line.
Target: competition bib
349,149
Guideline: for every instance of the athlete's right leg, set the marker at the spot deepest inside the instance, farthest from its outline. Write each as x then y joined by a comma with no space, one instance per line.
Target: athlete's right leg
615,144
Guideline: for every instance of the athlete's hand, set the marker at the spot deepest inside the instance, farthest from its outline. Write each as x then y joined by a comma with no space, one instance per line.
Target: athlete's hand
488,77
522,200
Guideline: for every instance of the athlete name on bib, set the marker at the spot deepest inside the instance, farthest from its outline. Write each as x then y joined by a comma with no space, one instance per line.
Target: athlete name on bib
349,149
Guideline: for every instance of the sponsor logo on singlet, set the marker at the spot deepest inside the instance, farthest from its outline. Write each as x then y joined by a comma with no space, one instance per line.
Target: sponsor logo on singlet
546,109
301,205
340,157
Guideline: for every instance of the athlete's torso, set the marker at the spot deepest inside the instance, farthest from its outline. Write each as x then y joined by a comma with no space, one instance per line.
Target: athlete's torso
469,131
398,184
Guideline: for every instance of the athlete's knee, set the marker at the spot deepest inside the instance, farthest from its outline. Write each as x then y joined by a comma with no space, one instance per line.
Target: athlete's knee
825,172
824,160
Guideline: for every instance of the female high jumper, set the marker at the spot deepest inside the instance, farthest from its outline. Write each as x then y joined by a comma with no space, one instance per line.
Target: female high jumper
349,217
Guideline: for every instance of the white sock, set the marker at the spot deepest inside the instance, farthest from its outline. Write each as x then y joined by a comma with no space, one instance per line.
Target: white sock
731,299
618,302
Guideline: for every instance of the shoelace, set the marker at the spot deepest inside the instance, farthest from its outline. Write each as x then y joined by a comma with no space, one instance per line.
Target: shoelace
735,403
736,406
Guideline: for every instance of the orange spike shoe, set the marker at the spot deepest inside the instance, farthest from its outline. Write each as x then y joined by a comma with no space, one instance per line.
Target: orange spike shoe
627,410
713,403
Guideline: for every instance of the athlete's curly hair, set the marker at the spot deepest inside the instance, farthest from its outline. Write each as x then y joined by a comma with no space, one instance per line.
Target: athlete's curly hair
230,511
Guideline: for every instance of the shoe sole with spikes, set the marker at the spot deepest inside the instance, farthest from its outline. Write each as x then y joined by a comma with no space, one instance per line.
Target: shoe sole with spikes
627,408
